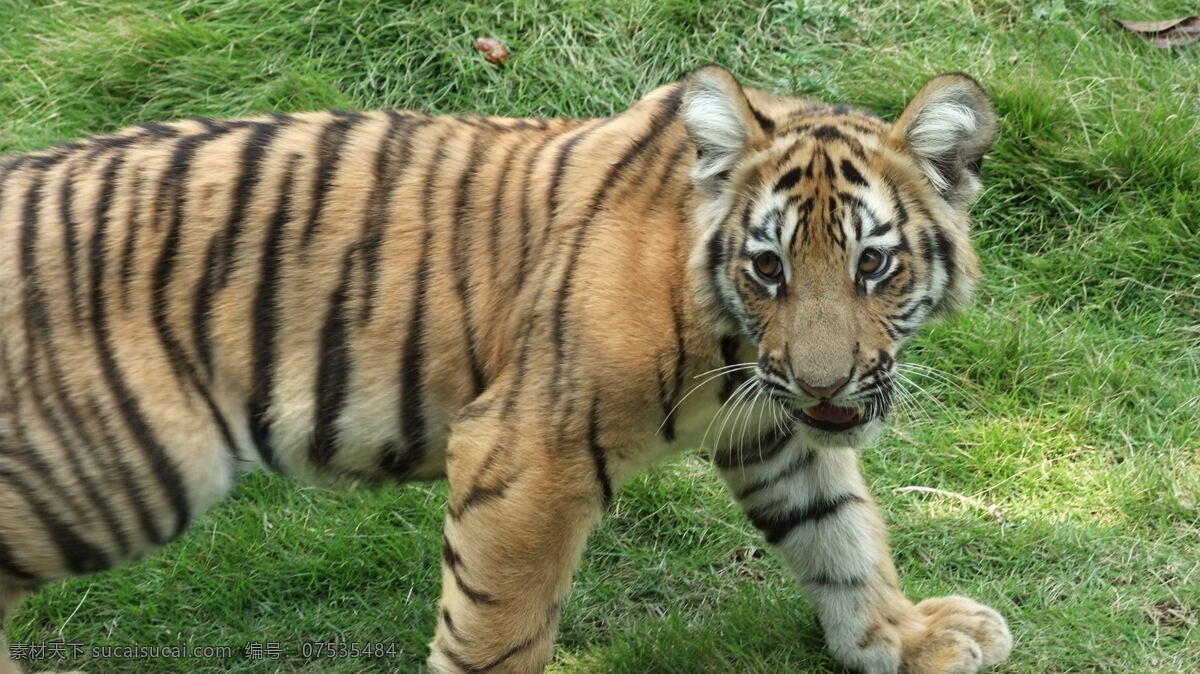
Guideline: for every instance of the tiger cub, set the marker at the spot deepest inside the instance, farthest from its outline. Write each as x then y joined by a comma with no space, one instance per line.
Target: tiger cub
521,306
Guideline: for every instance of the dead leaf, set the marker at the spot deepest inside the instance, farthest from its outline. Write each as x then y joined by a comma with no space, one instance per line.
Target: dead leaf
1169,613
1166,34
492,49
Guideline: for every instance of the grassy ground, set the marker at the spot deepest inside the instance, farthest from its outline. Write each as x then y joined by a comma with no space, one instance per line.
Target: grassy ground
1068,399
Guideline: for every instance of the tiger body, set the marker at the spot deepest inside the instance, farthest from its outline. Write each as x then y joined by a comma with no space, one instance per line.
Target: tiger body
535,309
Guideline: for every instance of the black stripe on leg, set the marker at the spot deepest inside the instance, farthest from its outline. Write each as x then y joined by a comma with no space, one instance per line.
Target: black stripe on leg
133,491
777,524
449,623
803,462
468,667
12,569
825,580
478,495
454,563
776,441
606,490
78,555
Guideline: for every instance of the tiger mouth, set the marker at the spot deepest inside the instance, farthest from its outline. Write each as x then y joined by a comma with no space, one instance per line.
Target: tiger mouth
833,418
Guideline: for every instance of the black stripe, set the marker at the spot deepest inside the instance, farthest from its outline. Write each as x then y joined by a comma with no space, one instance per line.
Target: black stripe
390,164
880,229
598,458
468,667
776,441
460,248
826,580
789,180
451,559
265,319
560,166
801,463
944,252
39,337
222,249
33,460
660,121
127,403
764,122
412,384
680,363
70,232
729,352
526,222
399,464
172,195
497,217
78,555
333,137
12,569
850,173
477,496
333,369
826,132
449,623
133,226
777,524
132,490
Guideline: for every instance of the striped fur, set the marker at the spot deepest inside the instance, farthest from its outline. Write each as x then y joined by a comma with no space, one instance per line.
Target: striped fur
523,306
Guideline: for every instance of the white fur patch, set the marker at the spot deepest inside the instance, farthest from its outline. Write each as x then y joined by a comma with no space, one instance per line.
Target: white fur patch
712,118
938,132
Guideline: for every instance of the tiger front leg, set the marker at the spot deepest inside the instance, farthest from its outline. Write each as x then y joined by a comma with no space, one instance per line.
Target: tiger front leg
813,506
520,511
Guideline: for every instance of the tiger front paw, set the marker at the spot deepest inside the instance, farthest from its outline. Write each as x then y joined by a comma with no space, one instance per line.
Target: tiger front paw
959,636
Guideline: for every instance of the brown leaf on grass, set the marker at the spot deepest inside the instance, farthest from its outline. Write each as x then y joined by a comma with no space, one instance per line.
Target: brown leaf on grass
1166,34
492,49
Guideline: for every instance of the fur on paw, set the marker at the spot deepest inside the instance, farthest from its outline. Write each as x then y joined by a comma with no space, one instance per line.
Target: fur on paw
960,636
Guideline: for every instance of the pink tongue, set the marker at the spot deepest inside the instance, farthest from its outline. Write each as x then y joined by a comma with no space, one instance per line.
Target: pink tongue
826,412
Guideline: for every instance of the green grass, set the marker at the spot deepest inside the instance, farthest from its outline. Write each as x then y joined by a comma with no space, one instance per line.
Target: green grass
1071,396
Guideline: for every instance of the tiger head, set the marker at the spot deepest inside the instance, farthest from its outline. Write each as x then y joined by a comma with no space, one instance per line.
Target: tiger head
829,236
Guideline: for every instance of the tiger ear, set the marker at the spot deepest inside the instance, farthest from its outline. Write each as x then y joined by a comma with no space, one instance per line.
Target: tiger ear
948,127
722,124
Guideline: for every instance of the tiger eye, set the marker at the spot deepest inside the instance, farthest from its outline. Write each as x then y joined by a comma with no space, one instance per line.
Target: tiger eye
872,262
768,266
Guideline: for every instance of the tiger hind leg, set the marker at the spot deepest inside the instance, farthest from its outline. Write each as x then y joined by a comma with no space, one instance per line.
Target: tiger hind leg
9,598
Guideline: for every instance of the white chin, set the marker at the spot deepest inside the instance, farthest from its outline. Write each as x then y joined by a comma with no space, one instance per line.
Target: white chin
859,437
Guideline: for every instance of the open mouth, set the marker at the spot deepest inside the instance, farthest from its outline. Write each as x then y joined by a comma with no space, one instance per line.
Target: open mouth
833,418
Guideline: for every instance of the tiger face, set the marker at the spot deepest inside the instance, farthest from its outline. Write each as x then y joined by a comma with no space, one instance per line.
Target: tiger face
831,236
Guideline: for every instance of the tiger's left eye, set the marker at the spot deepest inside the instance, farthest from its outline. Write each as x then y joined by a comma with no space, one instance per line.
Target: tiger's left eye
873,262
769,266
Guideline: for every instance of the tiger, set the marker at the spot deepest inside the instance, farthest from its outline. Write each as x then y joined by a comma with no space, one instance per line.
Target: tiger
533,309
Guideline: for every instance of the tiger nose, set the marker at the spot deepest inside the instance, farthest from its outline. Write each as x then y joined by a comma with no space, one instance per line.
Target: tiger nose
825,392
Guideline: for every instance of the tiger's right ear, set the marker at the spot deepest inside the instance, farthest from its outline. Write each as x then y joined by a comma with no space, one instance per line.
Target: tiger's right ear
722,124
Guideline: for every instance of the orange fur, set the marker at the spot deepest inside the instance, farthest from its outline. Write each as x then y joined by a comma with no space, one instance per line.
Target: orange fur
520,305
